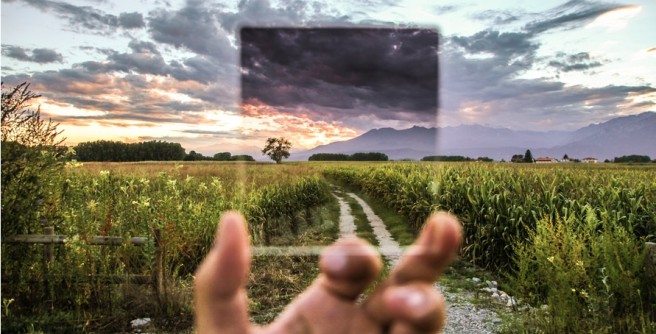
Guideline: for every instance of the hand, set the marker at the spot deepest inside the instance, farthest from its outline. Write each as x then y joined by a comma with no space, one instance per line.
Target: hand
406,302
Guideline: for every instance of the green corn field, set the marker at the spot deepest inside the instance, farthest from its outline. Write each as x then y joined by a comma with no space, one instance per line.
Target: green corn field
501,207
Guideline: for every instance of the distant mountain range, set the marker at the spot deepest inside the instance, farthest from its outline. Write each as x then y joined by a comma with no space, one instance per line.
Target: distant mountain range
625,135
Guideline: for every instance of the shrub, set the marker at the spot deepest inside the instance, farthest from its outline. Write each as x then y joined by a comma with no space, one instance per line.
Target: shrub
590,273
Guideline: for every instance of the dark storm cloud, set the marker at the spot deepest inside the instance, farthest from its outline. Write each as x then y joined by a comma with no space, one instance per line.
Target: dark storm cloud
87,17
349,69
581,61
39,55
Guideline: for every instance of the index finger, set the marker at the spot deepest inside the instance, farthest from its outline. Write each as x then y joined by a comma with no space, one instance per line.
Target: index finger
432,252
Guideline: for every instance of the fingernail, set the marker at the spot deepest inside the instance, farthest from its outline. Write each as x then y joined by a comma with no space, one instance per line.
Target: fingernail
334,261
414,301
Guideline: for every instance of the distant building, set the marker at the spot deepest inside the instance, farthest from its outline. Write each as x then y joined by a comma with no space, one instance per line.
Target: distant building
566,160
545,160
590,160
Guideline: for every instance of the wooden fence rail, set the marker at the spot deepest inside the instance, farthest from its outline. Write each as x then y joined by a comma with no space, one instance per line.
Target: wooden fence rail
48,239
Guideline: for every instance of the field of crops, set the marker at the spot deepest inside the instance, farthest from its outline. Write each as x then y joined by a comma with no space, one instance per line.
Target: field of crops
506,211
570,237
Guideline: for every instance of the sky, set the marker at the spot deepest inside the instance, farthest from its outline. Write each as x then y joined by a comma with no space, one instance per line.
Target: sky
171,70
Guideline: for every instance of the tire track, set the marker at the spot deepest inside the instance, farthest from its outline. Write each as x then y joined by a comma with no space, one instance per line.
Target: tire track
388,247
346,220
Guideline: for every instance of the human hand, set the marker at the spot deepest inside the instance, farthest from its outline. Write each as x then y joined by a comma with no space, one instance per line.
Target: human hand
406,303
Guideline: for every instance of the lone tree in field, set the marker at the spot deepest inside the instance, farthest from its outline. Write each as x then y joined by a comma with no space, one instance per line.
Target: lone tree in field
528,157
277,148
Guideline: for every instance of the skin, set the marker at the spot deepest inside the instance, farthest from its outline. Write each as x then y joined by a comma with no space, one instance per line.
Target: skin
406,303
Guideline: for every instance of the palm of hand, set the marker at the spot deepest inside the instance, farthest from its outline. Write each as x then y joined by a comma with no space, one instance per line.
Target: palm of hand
405,303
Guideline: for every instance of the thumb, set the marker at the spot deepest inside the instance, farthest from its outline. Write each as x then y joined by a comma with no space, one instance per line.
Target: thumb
220,299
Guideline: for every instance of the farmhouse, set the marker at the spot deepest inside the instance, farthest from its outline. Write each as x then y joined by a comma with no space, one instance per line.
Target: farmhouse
590,160
545,160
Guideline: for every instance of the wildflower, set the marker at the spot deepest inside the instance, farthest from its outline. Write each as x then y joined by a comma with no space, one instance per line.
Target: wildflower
551,259
579,263
104,172
39,201
44,220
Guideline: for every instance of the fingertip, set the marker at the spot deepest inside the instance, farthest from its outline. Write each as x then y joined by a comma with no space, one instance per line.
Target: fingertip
442,233
419,306
225,269
232,226
349,266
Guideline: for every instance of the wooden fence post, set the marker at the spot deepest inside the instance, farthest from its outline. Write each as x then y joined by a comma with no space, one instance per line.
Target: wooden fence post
48,254
158,271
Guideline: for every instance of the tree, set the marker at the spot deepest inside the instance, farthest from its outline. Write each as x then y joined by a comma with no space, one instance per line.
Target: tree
277,148
224,156
528,157
565,157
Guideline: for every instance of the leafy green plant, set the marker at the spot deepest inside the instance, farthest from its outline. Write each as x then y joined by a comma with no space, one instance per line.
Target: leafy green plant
589,273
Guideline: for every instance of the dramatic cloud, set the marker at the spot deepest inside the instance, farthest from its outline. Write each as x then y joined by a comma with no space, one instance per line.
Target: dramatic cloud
87,17
41,56
341,71
581,61
317,88
570,15
194,27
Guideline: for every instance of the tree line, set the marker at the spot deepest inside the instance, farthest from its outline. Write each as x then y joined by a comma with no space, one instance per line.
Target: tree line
371,156
454,158
223,156
633,158
115,151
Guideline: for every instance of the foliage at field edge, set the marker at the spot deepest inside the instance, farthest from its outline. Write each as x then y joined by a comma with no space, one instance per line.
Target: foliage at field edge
506,213
184,203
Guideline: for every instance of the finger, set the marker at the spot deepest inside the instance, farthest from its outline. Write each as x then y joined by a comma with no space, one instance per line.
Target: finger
348,267
432,252
219,296
424,261
416,308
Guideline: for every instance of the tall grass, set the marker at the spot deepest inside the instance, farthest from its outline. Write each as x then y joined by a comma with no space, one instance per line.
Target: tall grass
132,200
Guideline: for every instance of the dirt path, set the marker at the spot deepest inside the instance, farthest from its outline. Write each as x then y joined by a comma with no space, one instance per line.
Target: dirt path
463,316
388,247
346,220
